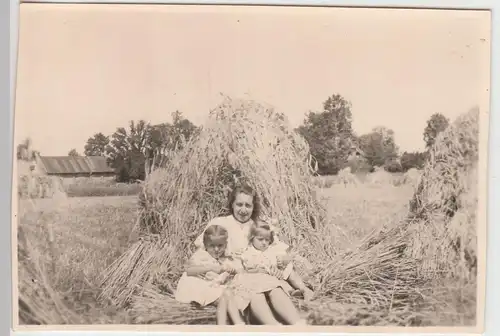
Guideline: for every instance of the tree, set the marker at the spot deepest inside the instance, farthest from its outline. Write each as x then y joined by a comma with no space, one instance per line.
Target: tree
127,151
182,129
435,125
134,151
73,152
412,160
393,166
379,146
168,138
96,145
329,134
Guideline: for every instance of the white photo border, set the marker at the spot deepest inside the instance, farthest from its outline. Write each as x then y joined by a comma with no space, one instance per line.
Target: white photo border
9,10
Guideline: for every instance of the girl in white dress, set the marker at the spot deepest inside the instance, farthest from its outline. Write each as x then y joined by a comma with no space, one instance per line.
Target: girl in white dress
263,256
263,274
206,275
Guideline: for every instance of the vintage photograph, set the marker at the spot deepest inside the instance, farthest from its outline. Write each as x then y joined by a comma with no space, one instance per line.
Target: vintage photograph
246,165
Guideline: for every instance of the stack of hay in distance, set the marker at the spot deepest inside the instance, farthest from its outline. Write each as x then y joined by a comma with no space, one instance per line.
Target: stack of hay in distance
243,141
39,186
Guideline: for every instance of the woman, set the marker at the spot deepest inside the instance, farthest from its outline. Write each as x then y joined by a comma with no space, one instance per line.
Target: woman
244,210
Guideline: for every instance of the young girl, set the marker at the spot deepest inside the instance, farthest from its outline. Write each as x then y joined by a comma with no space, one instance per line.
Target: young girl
206,274
263,275
263,255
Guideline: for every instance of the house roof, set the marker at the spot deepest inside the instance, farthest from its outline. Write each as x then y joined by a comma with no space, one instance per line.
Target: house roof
75,164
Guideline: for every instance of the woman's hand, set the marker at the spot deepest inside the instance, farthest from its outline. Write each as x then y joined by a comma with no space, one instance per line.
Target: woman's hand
229,269
217,269
274,271
257,270
211,275
283,261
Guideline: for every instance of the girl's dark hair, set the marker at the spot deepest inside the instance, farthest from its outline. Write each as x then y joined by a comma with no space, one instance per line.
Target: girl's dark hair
214,231
260,226
247,190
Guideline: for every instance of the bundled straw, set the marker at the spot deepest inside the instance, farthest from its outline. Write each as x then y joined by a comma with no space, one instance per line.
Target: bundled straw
441,224
146,260
39,186
38,302
380,275
453,155
242,142
445,203
156,307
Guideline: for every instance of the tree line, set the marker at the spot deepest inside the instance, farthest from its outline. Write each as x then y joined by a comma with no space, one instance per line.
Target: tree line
334,143
134,150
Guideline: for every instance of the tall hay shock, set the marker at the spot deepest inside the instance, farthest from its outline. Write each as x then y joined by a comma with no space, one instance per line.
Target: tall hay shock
444,205
243,141
441,221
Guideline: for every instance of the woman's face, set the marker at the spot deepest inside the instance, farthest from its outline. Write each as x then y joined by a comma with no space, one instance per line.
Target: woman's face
243,207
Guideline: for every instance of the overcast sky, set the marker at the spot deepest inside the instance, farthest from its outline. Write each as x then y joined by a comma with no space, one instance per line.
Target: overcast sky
84,69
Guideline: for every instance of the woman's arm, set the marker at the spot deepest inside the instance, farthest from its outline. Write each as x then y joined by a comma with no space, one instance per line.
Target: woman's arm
256,270
200,263
196,270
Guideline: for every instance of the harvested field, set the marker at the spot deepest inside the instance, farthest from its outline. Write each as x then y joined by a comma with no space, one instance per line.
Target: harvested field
368,248
94,243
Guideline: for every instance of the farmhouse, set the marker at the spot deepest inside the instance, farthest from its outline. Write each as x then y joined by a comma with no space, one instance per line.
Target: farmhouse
72,166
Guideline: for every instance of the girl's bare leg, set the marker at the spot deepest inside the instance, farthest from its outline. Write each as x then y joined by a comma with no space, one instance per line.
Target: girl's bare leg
222,311
233,312
284,306
262,311
296,282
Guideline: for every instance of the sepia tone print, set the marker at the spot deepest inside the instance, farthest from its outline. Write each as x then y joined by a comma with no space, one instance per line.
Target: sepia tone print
245,174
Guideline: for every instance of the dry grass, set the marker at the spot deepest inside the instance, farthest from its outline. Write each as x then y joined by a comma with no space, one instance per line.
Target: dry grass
87,235
96,190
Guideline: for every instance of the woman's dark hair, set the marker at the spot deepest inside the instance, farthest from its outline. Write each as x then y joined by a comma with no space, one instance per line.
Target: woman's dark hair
247,190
